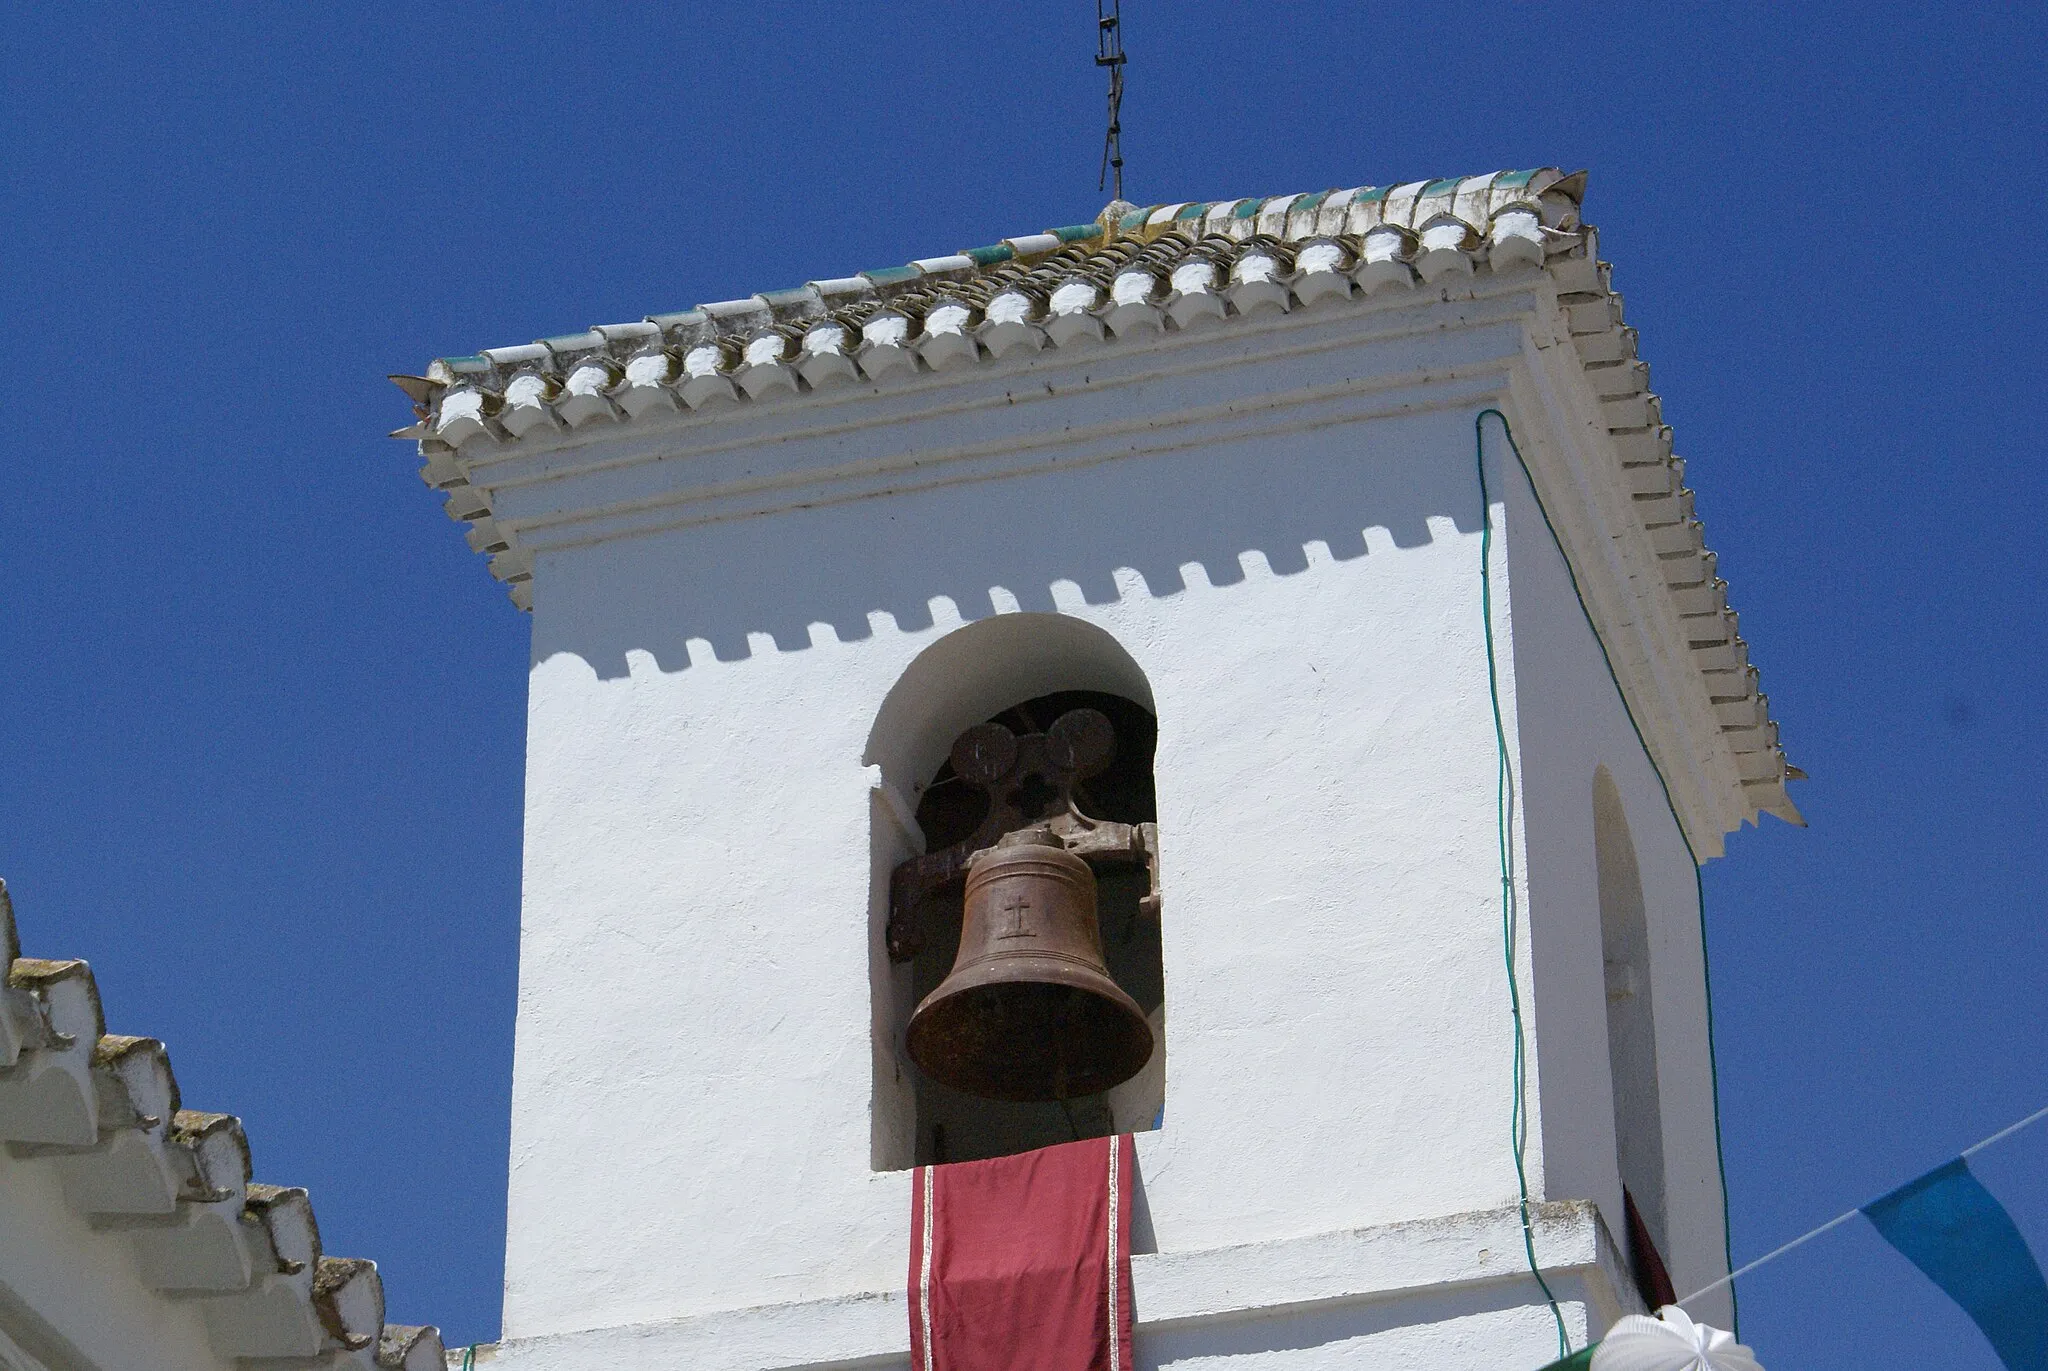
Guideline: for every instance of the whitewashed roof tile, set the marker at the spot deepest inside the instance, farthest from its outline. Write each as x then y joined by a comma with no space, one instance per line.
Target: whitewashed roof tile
104,1111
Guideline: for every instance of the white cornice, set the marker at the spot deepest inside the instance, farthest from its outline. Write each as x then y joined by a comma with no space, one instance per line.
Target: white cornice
1429,1260
1627,601
1299,371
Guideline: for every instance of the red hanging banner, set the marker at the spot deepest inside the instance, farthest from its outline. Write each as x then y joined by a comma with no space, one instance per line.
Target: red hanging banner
1024,1263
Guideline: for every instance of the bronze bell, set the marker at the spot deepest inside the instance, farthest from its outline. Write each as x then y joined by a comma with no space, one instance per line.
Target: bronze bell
1029,1011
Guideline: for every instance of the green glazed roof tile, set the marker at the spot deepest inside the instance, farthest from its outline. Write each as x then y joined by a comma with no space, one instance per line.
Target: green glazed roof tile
893,276
1233,215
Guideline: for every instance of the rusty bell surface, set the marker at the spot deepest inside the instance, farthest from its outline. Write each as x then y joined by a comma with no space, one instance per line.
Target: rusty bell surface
1029,1011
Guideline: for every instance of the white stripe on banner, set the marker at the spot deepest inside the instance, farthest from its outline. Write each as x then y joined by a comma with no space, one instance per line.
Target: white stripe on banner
1115,1363
924,1271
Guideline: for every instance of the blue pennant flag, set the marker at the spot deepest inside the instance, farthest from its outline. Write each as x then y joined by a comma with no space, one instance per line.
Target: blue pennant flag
1947,1224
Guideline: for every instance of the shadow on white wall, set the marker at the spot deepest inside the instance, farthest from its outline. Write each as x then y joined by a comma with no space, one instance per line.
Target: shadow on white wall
1149,525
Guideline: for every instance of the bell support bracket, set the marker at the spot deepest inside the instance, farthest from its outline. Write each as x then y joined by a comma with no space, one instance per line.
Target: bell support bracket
1030,783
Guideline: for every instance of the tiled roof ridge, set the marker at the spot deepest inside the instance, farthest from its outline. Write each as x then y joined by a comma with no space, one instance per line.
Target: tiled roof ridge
105,1111
579,377
1134,272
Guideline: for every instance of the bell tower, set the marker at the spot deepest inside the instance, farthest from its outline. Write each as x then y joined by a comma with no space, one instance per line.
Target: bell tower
1304,586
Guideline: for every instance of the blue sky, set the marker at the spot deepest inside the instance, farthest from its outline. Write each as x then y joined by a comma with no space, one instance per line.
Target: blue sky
263,711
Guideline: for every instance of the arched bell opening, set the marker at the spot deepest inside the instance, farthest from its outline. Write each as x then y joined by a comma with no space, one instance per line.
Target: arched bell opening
1023,684
1631,1042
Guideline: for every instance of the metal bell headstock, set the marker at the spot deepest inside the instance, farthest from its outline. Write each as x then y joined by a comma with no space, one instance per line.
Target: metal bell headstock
1029,781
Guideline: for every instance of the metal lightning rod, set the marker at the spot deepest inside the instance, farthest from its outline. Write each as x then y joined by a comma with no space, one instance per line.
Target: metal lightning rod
1109,52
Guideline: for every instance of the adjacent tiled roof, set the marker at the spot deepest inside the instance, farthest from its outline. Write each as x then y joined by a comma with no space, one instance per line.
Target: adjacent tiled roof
1133,272
104,1111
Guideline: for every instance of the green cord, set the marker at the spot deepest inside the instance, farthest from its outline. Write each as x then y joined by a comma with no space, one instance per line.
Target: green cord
1699,881
1504,787
469,1358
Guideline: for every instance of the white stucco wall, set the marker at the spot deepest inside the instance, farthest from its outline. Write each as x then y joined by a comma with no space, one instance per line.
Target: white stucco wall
693,1038
695,998
699,1107
1573,722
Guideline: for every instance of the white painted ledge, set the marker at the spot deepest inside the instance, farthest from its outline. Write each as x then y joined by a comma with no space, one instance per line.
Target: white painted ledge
1387,1277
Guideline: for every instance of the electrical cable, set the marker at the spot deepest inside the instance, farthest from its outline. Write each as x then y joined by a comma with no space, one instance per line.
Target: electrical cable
1504,789
1698,880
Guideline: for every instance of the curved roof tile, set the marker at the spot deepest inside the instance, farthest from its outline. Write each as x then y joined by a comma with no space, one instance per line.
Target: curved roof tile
103,1111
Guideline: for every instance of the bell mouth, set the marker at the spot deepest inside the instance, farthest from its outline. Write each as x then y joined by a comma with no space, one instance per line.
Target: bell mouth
1043,1038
